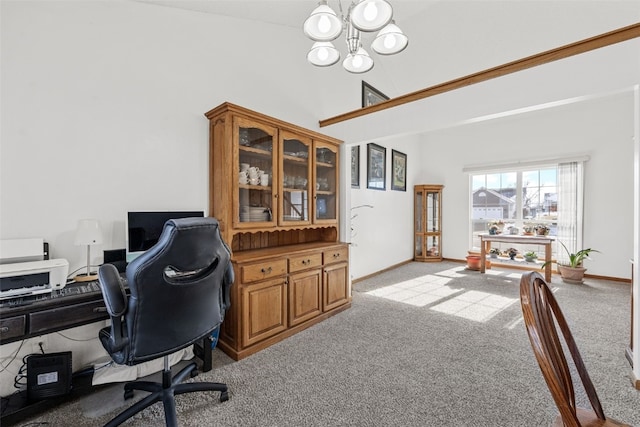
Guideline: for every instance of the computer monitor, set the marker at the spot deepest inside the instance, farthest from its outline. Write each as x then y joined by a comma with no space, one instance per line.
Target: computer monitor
144,229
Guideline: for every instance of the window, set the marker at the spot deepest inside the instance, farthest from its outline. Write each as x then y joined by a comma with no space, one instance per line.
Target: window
517,198
530,193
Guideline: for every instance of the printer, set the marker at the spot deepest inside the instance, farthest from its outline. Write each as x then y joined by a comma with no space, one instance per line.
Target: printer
26,270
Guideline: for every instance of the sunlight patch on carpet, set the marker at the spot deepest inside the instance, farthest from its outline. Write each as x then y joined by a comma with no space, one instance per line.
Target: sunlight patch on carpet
439,290
475,305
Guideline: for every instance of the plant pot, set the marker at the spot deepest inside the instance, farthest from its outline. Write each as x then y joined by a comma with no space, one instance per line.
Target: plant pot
473,262
573,275
529,259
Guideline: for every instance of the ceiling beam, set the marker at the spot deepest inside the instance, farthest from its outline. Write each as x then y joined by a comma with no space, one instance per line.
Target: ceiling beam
576,48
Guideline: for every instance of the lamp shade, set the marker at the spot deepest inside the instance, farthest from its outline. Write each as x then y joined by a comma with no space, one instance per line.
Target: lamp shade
358,62
371,15
323,24
390,40
88,232
323,54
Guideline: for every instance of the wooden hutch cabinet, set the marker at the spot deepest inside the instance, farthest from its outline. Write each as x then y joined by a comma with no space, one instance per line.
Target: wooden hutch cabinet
428,223
274,190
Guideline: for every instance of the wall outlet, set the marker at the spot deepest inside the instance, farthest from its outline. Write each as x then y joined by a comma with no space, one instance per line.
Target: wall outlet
38,345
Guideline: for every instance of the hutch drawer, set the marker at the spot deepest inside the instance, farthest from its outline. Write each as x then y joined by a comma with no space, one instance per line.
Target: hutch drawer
263,270
304,262
336,255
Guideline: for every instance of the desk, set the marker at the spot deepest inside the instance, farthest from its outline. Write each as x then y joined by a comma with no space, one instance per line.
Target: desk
75,305
485,246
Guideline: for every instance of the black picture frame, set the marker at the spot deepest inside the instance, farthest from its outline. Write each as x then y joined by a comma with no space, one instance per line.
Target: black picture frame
398,171
355,166
371,95
376,167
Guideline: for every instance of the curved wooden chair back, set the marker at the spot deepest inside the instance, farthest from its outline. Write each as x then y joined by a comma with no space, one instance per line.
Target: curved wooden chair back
543,318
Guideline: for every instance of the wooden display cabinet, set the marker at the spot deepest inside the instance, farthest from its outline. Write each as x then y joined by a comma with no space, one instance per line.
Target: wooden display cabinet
428,223
291,270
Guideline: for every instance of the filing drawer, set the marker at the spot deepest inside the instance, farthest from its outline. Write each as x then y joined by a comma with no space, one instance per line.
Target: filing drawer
264,270
336,255
303,262
64,317
12,327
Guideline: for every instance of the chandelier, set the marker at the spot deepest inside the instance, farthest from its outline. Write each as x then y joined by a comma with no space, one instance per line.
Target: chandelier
324,26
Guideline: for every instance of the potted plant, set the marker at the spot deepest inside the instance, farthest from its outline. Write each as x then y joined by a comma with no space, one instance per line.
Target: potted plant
495,227
494,252
528,229
573,272
512,252
530,256
541,230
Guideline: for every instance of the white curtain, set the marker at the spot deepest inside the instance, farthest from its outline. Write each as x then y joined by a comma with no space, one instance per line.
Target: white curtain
570,207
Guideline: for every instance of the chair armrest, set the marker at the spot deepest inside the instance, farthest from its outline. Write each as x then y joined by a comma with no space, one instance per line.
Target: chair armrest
226,284
113,293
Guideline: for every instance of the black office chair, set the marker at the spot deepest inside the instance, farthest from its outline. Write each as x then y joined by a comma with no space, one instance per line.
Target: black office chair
179,292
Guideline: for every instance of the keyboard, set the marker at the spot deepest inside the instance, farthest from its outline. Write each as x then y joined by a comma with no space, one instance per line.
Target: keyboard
72,289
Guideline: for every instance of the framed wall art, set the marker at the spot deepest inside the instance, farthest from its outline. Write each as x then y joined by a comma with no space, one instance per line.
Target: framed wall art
371,95
399,171
376,166
355,166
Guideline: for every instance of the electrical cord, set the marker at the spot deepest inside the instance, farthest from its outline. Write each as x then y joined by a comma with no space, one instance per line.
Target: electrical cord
4,367
21,375
73,273
76,339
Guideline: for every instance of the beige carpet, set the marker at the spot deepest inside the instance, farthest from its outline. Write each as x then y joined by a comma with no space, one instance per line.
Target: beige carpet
425,344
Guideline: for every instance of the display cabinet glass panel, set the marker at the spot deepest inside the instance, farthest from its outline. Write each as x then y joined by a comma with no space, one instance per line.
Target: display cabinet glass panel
296,179
326,183
255,193
428,222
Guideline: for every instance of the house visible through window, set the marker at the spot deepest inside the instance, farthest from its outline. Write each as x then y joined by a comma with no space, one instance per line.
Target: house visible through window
516,198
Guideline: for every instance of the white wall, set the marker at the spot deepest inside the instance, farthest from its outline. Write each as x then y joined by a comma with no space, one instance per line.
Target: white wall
382,236
103,111
601,128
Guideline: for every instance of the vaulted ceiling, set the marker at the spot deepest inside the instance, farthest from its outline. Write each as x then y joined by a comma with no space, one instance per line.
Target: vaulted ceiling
450,39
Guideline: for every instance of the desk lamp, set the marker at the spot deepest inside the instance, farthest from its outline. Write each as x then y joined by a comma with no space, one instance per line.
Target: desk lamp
88,233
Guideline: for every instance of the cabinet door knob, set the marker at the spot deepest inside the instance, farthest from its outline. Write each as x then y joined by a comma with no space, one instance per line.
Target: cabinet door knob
266,271
336,255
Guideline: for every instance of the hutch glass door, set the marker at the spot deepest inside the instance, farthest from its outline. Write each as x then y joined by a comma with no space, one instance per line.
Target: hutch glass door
326,183
296,179
254,195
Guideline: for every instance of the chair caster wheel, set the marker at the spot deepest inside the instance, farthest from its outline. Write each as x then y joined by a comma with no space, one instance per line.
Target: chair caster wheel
224,396
128,394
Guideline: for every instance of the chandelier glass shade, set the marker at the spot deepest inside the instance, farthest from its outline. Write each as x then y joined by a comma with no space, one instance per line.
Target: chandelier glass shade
390,40
371,15
324,25
323,54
